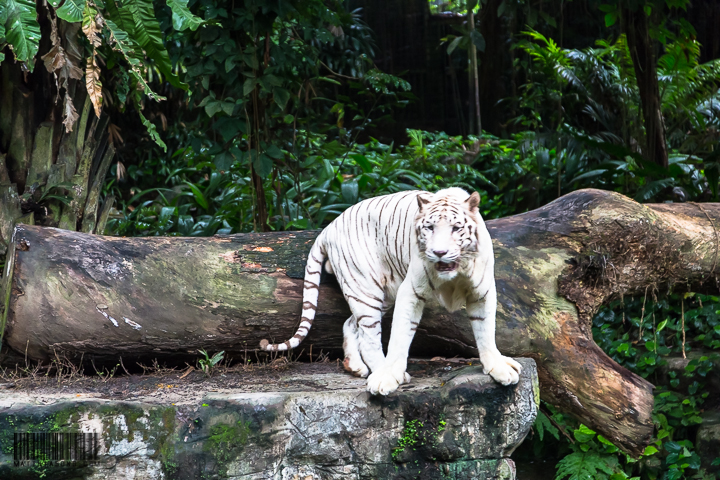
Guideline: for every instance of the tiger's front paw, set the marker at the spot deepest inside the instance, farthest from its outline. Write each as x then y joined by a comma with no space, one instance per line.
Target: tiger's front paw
386,380
503,370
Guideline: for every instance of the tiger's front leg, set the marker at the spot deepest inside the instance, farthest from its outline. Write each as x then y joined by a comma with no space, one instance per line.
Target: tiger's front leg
481,308
406,318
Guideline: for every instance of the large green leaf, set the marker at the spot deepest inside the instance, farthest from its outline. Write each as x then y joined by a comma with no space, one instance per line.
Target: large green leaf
281,97
182,17
22,30
3,19
147,33
72,10
198,194
261,163
453,45
478,40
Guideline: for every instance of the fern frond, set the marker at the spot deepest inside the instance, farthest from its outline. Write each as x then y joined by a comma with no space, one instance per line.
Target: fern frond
586,466
148,35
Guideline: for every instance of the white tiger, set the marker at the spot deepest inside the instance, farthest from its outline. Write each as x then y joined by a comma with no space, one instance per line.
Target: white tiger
403,249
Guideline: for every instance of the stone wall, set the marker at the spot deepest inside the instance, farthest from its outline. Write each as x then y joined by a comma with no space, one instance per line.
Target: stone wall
453,423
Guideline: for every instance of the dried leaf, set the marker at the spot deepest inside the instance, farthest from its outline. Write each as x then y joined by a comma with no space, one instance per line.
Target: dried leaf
116,139
93,85
337,31
54,38
120,172
91,26
54,59
69,71
70,114
69,32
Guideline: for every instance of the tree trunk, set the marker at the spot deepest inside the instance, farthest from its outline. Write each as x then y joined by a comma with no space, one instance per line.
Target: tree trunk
103,297
636,28
37,153
474,86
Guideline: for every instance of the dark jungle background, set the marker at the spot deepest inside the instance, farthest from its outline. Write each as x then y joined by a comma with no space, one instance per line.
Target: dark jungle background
206,117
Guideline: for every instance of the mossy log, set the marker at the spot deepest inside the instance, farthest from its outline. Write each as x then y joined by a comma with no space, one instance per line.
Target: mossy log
79,294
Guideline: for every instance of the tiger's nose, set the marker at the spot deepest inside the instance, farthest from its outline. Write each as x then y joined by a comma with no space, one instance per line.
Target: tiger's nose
439,253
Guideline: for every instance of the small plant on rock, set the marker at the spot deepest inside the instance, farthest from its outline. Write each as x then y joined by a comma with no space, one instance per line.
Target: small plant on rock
208,363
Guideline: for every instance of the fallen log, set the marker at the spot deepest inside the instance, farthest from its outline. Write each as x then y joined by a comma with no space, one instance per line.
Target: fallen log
80,294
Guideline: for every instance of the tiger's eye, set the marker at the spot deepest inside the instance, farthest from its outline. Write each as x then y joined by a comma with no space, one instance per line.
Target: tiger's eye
429,227
456,229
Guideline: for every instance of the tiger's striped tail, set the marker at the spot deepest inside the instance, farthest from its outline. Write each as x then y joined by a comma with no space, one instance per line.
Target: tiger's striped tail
311,290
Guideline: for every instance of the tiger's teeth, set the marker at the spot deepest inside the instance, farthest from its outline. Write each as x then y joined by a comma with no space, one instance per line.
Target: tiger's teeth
446,267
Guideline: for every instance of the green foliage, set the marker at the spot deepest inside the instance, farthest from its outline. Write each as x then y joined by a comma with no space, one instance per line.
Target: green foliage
19,28
416,434
643,339
584,465
585,105
145,30
409,437
262,75
642,334
207,194
543,424
127,34
227,441
182,18
594,457
208,363
466,36
72,10
198,198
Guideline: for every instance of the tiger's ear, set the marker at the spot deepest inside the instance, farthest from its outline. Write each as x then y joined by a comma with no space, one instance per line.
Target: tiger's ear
422,202
473,201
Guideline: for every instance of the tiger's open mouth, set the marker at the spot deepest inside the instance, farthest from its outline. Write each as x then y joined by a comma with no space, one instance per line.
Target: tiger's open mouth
446,267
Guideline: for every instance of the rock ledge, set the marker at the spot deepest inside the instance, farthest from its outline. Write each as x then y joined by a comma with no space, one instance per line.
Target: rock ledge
452,424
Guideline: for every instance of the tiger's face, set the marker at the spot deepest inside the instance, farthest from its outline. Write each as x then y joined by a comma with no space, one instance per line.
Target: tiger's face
447,226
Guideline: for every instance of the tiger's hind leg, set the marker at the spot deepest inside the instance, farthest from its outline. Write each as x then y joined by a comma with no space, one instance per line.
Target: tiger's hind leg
369,334
353,362
369,339
369,330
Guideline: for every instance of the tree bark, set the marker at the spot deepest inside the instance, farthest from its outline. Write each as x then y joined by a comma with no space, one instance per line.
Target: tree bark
75,294
636,28
474,86
37,153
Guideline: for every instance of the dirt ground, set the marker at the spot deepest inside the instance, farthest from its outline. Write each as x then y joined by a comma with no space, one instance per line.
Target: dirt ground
165,385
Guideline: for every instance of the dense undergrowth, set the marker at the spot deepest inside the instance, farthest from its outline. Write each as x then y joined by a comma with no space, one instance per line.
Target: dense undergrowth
513,175
650,336
312,165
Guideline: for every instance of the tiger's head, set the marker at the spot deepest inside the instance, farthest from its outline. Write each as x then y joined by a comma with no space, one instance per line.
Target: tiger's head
447,229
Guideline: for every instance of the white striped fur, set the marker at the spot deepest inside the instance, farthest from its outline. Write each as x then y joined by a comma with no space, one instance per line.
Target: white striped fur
403,249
